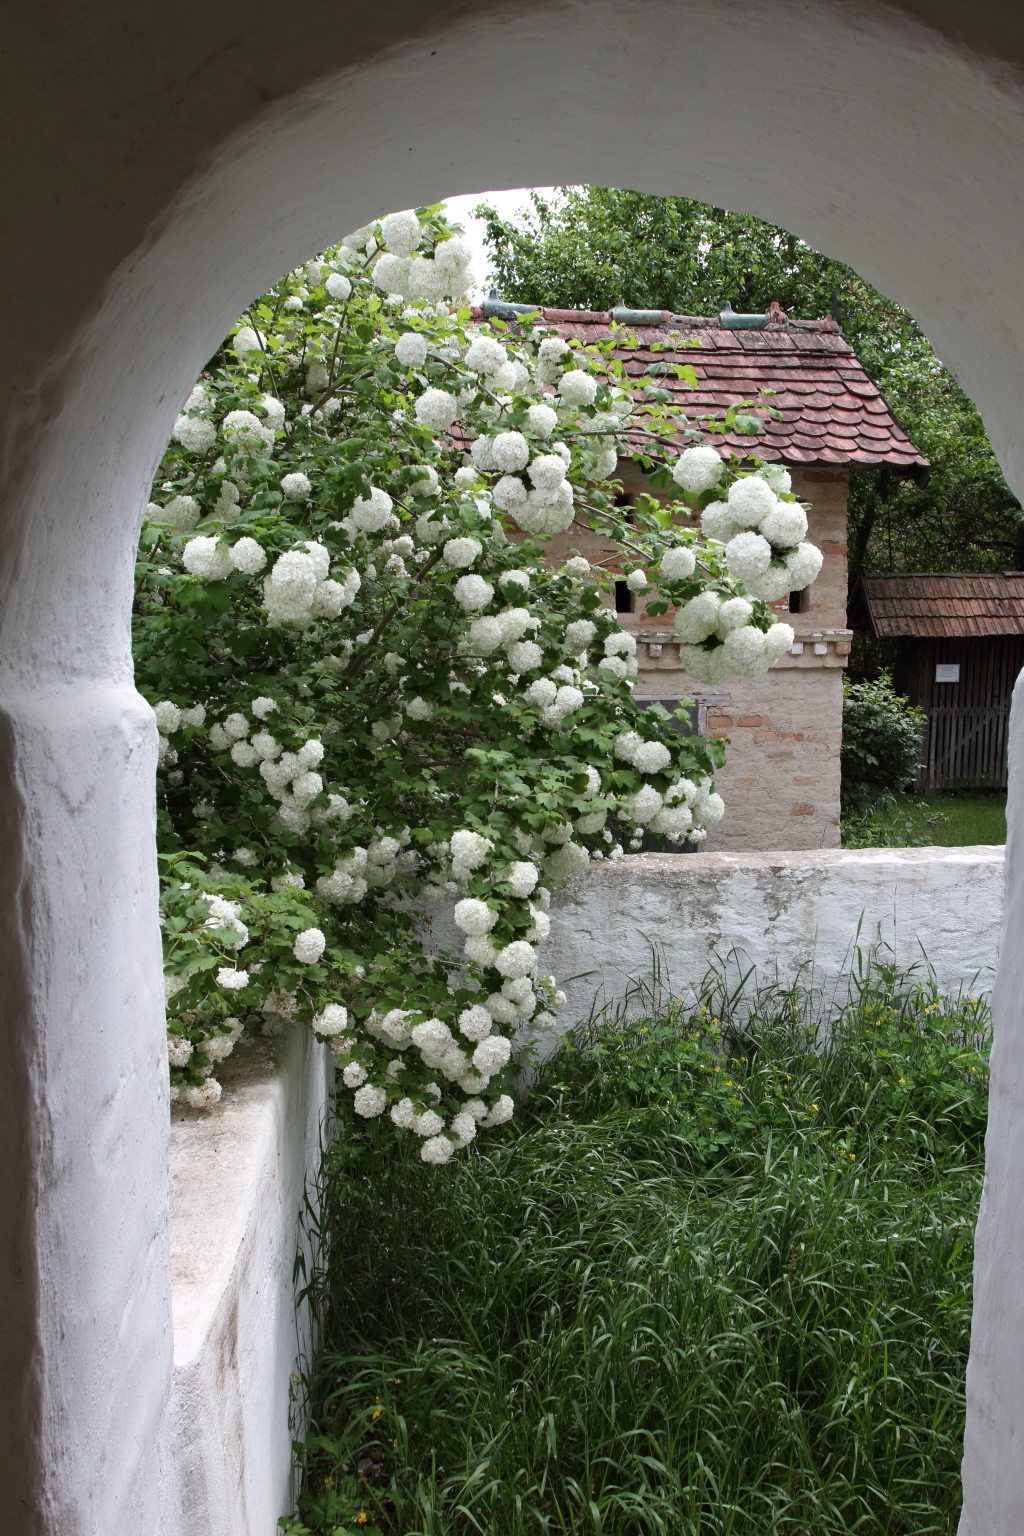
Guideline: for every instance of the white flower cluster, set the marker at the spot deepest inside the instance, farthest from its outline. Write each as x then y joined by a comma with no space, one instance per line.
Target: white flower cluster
300,587
444,275
507,653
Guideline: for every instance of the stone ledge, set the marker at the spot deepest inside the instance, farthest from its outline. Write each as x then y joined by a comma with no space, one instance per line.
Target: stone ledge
238,1176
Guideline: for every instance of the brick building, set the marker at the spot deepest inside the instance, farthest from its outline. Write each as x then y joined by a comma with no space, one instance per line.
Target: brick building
821,414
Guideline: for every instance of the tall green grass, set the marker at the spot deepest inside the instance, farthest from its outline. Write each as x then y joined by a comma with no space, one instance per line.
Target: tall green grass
713,1281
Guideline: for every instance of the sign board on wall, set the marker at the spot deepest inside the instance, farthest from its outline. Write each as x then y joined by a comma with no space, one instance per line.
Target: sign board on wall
947,672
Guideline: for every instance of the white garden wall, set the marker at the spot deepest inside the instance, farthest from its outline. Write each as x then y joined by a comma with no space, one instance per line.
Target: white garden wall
239,1174
788,915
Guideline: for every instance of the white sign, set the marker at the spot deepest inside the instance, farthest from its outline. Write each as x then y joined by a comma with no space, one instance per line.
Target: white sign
947,672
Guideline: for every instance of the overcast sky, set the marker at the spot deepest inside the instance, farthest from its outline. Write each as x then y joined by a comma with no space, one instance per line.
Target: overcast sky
507,203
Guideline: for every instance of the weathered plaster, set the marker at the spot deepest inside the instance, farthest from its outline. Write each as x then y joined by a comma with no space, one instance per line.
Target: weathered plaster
163,165
790,916
239,1174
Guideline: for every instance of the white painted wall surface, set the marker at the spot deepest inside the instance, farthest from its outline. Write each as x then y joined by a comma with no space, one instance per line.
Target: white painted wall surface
786,914
162,173
238,1176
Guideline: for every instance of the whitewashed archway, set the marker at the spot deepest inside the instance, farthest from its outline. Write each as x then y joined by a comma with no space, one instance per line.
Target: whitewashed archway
874,138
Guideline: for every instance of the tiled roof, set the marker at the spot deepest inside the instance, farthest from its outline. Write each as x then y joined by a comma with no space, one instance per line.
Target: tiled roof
969,603
830,412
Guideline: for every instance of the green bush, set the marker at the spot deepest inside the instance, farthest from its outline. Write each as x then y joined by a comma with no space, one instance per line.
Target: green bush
882,735
716,1282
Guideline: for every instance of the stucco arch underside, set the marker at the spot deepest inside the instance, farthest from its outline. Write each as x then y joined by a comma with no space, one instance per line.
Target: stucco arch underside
864,132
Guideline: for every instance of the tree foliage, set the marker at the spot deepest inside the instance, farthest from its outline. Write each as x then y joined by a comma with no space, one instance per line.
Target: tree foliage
881,741
595,247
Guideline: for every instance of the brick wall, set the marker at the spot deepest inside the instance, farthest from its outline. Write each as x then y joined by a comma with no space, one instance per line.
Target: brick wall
782,775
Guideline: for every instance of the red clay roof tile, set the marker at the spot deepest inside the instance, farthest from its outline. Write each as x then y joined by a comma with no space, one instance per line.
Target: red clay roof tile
827,407
967,603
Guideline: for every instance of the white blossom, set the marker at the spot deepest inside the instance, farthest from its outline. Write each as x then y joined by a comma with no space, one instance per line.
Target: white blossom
786,525
485,355
565,862
645,805
516,959
579,634
309,945
698,469
401,232
547,472
461,552
245,340
411,349
577,388
474,917
248,557
509,451
475,1023
717,522
751,499
369,1102
733,614
428,482
636,581
332,1021
491,1055
502,1111
248,433
437,1149
678,562
803,566
437,409
296,486
168,716
208,558
542,419
509,493
371,513
195,434
651,757
338,286
748,555
485,635
778,477
473,592
524,655
233,980
697,619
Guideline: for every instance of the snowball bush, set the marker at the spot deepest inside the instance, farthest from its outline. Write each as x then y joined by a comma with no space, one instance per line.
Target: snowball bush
372,700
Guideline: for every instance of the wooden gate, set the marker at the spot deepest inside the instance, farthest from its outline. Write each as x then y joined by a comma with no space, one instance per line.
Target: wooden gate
967,720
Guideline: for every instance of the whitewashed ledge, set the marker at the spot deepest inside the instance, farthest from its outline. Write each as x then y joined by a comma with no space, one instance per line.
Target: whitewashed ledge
239,1174
785,914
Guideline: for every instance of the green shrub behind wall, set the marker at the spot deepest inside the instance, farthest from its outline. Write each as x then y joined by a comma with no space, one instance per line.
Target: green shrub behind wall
882,734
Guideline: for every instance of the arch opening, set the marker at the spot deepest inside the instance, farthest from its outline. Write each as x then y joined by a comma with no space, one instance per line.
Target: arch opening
889,150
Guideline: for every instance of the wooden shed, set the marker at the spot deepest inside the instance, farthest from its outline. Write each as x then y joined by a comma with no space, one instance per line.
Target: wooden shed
959,647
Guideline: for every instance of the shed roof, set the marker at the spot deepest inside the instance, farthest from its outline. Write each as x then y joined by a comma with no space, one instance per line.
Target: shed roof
830,411
969,603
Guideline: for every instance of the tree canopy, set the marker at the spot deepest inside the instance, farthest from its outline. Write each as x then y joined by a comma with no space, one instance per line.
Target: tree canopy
595,247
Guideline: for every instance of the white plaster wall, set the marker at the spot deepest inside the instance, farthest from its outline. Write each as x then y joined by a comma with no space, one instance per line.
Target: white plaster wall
239,1174
993,1468
160,173
788,915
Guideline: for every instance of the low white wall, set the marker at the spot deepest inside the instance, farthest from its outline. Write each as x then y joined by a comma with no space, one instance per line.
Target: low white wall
239,1174
786,914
